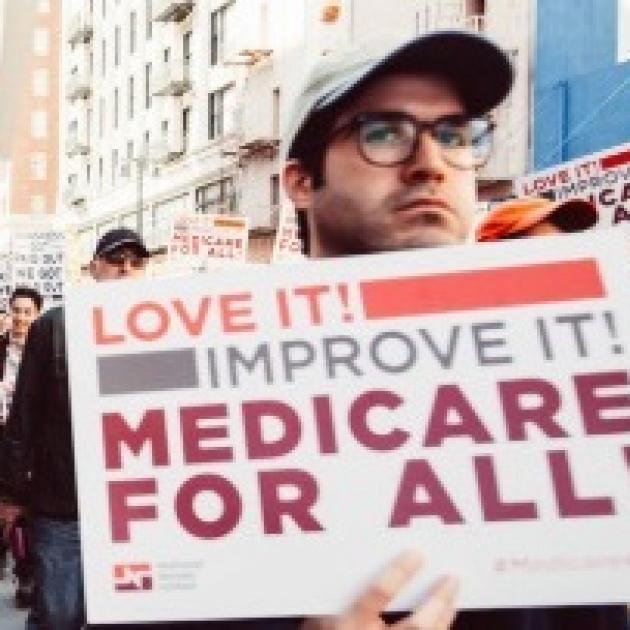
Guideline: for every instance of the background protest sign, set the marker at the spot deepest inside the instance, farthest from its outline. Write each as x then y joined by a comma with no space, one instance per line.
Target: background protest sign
287,246
602,177
261,445
38,261
203,241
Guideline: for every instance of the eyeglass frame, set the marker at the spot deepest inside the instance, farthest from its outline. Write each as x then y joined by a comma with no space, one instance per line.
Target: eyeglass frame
117,259
420,126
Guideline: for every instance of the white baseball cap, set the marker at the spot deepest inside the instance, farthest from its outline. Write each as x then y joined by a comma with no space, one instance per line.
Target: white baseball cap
477,69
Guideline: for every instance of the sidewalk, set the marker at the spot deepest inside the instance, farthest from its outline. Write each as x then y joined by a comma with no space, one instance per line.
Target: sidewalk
10,617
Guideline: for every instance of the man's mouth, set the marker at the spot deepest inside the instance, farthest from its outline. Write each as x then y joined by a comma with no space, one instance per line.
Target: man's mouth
423,206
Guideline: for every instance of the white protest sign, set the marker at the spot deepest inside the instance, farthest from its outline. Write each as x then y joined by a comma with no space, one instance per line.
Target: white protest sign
204,240
264,444
287,246
603,177
5,279
38,261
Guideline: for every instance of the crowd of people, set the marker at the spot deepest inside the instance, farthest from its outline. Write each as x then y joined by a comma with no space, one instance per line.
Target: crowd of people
382,151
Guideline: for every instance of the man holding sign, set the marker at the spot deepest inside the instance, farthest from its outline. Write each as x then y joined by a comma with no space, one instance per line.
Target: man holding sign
40,475
382,157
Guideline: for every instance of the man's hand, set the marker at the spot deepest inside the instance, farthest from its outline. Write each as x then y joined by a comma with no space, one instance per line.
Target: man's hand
435,613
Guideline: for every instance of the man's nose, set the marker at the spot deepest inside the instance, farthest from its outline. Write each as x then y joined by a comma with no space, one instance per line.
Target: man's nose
125,267
426,162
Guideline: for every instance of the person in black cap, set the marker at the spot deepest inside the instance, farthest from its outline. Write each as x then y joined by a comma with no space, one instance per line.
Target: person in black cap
39,475
118,254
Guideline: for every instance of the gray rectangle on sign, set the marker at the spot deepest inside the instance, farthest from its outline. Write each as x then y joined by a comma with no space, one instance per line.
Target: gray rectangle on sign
147,372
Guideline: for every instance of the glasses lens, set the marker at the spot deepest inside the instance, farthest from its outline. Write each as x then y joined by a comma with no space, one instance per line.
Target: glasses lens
386,142
465,143
119,260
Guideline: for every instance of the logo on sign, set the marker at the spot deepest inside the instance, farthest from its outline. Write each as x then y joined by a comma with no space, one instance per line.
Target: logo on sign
133,577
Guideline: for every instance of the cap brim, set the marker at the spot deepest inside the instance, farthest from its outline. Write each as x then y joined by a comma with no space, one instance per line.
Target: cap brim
479,71
131,243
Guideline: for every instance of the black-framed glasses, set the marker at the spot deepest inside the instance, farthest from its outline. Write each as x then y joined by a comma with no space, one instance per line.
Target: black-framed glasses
118,259
392,138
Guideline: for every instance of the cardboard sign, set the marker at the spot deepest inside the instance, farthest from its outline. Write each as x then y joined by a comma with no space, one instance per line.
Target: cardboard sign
38,261
200,241
602,177
263,444
287,245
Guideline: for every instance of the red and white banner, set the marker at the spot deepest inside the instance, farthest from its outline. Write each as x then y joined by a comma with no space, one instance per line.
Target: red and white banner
263,444
602,177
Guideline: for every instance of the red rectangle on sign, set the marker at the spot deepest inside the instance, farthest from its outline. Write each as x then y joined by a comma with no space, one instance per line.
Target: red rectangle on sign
617,159
485,288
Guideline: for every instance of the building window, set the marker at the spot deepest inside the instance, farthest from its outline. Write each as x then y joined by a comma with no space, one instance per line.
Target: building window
88,125
164,129
215,197
185,127
39,166
130,149
276,113
40,82
116,104
41,41
149,23
100,172
38,204
88,172
147,85
104,8
101,116
39,124
103,57
114,166
217,35
117,46
274,190
133,19
186,46
131,99
218,105
147,141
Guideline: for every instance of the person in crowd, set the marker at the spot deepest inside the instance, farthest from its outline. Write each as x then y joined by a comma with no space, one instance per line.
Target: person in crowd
536,216
25,305
382,155
39,474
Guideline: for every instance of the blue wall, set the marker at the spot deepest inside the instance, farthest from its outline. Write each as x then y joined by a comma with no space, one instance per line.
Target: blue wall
581,95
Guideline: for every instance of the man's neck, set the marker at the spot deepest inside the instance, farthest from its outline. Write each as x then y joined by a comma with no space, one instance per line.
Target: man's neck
16,340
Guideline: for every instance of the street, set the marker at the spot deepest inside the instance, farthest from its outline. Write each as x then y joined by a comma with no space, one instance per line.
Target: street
10,617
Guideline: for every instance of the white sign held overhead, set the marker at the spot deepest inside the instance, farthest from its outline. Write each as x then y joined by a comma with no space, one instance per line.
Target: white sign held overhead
288,434
602,177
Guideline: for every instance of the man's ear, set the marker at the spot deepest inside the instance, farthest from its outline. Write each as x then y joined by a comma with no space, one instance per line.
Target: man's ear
298,184
93,268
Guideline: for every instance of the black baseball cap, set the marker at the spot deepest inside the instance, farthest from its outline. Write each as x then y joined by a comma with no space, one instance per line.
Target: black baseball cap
118,238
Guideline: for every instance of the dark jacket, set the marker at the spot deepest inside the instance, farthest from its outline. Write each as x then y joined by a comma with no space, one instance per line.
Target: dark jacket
38,463
4,344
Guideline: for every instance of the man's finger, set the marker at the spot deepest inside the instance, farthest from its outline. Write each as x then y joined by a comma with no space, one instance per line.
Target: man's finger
383,590
438,610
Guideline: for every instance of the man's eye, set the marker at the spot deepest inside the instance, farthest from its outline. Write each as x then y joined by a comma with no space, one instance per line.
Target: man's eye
451,137
377,133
